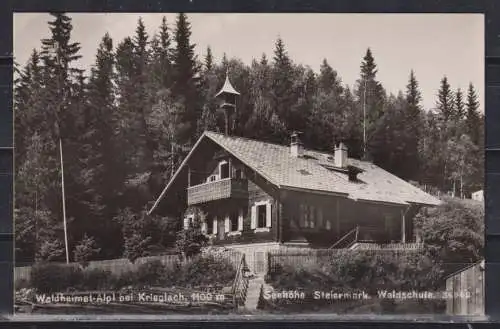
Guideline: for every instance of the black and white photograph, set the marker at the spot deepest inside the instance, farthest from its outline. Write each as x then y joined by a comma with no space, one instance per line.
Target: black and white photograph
245,164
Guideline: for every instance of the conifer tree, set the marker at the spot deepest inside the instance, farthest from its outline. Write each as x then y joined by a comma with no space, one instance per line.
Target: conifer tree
161,57
459,105
371,100
209,59
187,80
282,92
412,125
445,102
472,119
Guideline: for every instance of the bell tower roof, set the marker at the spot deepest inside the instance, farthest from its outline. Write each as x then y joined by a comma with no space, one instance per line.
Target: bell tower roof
227,88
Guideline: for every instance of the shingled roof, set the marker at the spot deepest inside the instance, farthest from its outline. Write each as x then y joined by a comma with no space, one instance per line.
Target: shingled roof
309,172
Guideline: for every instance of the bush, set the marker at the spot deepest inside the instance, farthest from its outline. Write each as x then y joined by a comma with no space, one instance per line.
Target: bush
151,272
208,271
361,270
50,277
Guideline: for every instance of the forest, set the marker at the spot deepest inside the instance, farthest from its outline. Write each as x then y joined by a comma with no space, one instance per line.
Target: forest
124,126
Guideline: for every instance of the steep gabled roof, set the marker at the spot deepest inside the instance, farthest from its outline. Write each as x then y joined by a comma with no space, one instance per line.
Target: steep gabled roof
310,172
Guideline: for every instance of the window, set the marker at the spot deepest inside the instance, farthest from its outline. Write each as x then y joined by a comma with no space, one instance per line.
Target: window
261,215
310,216
233,219
238,174
210,225
188,221
224,170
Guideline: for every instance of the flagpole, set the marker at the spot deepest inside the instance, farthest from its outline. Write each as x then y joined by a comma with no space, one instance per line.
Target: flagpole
64,202
364,120
61,158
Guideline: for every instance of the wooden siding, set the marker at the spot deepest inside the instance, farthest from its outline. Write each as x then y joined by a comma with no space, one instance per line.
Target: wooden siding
344,215
258,191
467,291
221,189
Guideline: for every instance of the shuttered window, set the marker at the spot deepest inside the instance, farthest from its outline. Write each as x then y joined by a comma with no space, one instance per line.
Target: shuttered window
261,215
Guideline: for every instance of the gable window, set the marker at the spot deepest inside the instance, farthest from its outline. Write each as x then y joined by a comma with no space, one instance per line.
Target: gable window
261,216
224,170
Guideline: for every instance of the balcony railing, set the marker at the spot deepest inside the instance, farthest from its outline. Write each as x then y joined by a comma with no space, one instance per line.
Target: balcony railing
217,190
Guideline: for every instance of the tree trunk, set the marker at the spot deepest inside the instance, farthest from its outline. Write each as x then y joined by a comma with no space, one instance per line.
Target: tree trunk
461,186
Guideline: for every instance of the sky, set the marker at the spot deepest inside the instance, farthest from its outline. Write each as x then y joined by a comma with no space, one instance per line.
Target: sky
433,45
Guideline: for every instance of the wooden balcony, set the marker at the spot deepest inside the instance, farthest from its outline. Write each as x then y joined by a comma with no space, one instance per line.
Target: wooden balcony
217,190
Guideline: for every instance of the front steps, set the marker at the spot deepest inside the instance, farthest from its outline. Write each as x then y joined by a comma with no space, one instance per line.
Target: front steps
255,285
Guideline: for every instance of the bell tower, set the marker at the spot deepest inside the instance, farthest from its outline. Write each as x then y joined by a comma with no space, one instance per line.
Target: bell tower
227,102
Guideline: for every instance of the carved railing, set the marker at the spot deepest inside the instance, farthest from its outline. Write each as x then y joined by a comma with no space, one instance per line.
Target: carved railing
240,284
217,190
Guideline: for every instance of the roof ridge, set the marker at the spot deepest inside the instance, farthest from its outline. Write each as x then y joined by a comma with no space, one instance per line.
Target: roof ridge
266,142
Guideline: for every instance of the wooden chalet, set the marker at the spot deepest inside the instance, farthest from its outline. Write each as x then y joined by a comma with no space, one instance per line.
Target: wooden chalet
255,195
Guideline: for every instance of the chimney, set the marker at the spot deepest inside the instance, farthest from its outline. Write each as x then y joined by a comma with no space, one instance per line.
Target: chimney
296,147
340,155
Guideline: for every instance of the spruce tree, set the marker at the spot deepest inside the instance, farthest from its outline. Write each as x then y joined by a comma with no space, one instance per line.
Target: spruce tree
412,124
459,105
187,80
472,119
209,59
161,57
102,175
445,102
371,101
282,93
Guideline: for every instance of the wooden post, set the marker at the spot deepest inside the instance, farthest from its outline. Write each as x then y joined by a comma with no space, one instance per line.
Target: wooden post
338,218
403,227
189,176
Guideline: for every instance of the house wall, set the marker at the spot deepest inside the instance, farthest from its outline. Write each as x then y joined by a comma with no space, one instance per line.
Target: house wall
258,191
343,216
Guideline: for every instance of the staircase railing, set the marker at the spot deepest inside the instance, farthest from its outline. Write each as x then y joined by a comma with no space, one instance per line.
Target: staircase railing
240,284
352,233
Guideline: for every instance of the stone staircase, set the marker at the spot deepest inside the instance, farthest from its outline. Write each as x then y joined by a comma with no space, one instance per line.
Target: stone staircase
254,290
